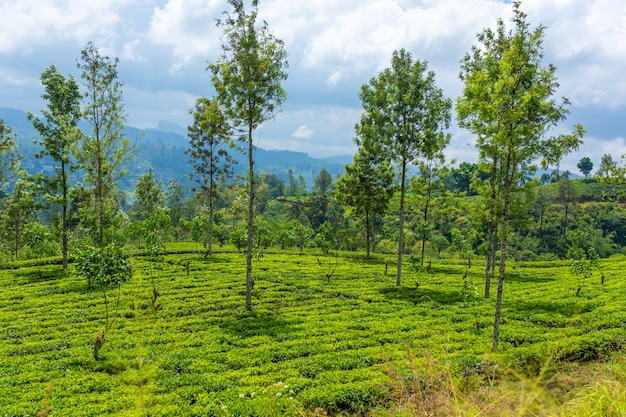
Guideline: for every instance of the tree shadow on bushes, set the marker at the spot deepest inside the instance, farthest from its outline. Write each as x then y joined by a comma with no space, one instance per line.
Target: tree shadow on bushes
257,323
562,307
522,277
420,295
32,276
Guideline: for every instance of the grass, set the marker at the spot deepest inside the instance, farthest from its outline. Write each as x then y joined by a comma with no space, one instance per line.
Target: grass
352,344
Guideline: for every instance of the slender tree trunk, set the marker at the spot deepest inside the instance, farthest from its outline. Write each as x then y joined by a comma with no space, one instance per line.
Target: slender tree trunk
250,220
211,192
64,215
498,313
565,220
490,250
509,172
401,232
17,234
491,245
99,203
493,250
100,194
426,207
367,234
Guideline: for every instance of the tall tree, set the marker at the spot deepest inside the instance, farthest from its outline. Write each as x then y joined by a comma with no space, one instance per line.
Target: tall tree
406,115
102,151
18,211
585,166
175,195
323,183
9,157
607,166
367,187
150,196
543,200
58,130
247,79
208,154
292,186
430,186
494,204
567,195
508,103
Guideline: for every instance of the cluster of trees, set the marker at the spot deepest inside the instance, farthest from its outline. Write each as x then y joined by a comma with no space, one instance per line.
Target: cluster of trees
492,208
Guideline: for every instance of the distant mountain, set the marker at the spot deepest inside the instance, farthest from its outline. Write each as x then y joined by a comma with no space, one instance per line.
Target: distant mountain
162,150
339,159
171,127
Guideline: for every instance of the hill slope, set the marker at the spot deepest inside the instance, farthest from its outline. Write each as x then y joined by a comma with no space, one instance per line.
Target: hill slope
162,150
342,345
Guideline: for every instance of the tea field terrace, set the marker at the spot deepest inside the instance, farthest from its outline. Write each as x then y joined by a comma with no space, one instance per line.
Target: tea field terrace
326,334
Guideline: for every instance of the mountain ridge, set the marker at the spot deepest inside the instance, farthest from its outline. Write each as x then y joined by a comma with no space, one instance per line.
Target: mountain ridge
161,150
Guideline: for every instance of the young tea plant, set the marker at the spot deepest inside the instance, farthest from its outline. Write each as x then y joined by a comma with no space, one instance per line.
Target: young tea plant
583,258
582,264
156,250
104,268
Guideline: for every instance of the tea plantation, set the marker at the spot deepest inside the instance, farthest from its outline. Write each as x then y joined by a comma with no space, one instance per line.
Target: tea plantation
327,335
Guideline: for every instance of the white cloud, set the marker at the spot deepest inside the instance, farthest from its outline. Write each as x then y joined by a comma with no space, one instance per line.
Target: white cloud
587,42
188,27
130,53
27,24
166,105
302,132
333,127
334,78
17,79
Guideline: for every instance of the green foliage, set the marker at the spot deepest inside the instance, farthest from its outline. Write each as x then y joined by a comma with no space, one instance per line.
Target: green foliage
366,186
38,242
302,234
339,345
104,268
209,136
439,243
461,245
239,238
102,151
247,79
9,158
150,196
469,291
508,103
607,167
585,166
325,239
199,228
404,119
59,132
583,258
322,184
18,210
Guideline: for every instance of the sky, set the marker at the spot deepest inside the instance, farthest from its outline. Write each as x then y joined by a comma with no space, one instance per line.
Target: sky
334,47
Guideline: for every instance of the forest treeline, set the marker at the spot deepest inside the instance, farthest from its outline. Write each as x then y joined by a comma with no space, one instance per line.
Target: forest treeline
398,196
